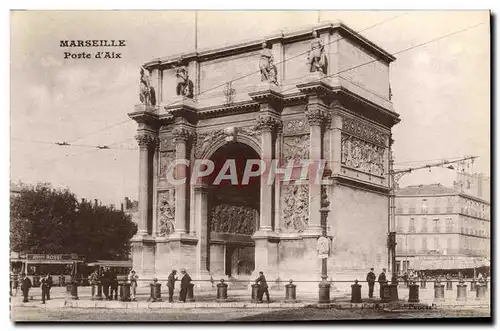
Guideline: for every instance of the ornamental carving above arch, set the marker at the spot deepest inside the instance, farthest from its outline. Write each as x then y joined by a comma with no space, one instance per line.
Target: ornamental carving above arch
205,141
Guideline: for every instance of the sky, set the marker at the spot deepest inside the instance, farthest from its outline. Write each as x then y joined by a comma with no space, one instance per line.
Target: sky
440,90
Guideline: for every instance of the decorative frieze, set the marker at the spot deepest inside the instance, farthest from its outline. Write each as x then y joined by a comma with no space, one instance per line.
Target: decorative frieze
296,126
361,155
296,148
295,202
225,218
364,131
167,144
166,213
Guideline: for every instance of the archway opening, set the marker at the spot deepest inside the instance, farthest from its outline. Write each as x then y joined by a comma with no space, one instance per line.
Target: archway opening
233,213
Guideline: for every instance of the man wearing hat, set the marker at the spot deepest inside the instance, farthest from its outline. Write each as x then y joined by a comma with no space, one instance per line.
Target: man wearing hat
132,280
185,282
370,278
263,289
382,280
171,284
25,286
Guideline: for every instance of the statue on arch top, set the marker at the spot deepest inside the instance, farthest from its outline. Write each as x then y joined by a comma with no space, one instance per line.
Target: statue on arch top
184,84
268,70
146,91
317,58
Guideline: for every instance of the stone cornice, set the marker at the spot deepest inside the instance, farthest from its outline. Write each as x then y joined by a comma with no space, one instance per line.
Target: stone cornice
280,37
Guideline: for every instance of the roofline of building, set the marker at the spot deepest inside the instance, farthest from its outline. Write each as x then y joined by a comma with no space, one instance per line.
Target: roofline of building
279,37
457,193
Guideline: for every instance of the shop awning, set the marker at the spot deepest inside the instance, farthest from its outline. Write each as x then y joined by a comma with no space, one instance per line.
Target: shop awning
109,263
449,264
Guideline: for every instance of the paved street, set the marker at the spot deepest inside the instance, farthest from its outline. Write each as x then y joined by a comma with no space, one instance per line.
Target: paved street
228,314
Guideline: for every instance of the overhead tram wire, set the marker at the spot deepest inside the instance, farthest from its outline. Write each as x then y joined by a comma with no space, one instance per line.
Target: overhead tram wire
398,52
68,144
242,77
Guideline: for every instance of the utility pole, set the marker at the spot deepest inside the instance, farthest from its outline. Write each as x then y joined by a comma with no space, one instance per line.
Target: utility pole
394,178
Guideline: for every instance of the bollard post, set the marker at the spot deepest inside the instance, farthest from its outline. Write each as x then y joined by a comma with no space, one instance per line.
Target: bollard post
385,292
157,289
393,292
96,291
255,293
190,293
481,291
124,292
74,290
413,295
438,291
290,292
473,285
221,291
449,285
461,291
356,292
324,292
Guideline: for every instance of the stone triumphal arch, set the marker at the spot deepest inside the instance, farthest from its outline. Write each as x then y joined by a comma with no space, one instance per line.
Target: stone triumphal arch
321,93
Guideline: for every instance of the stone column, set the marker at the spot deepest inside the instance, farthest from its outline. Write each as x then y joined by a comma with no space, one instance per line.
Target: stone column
315,115
267,125
145,141
202,233
181,137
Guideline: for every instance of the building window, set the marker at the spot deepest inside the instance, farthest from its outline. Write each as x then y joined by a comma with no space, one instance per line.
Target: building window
412,225
449,247
436,225
424,206
424,225
436,243
424,244
449,224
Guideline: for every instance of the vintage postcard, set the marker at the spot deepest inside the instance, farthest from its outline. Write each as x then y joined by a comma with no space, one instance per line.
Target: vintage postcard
249,165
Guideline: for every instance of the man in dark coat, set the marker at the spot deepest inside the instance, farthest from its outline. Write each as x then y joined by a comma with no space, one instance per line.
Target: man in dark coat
382,280
50,283
113,284
25,287
105,280
44,284
370,278
185,282
262,287
171,284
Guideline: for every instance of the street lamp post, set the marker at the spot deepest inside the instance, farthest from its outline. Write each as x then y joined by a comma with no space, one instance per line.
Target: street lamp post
324,285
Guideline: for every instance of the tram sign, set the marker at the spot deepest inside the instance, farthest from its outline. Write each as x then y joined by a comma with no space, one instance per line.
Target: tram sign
52,257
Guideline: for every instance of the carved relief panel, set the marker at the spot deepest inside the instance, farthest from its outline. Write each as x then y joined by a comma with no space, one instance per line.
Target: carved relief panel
166,158
234,219
166,212
295,202
362,155
295,148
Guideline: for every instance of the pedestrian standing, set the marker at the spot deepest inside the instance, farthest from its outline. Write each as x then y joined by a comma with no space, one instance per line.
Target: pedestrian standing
25,287
370,278
185,282
114,285
382,280
44,284
105,280
263,288
171,284
132,280
15,283
152,296
50,283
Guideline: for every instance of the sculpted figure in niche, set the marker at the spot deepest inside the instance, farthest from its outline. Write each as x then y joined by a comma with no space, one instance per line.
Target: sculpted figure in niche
317,57
146,91
268,70
184,84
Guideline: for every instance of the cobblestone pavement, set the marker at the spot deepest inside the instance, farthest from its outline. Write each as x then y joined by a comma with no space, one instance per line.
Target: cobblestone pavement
22,314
